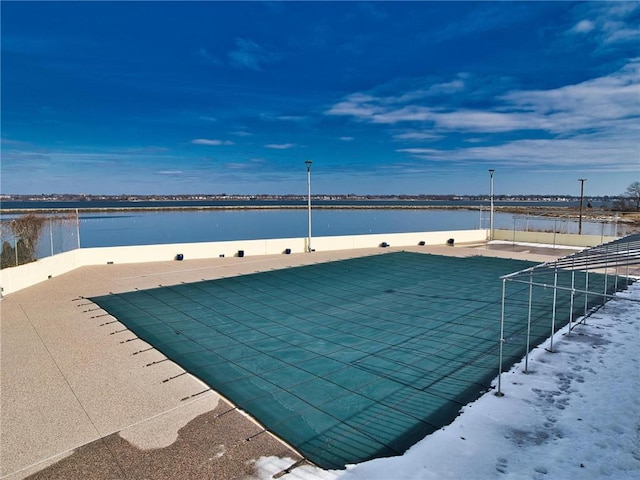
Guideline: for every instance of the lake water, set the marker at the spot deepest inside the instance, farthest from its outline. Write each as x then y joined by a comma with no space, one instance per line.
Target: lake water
145,228
119,228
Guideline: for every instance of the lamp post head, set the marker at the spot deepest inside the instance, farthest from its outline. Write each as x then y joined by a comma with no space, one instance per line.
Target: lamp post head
491,170
308,164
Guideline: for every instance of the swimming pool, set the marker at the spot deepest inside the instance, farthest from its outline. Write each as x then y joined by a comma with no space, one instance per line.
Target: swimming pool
348,360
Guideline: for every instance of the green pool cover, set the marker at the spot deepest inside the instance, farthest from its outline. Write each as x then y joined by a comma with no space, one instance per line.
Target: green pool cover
349,360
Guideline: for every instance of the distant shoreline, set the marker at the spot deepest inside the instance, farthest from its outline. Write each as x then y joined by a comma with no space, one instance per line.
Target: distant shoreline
500,208
545,211
240,207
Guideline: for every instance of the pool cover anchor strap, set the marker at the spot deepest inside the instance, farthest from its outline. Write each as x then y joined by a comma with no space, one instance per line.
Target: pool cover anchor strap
225,412
289,469
142,351
175,376
156,362
248,439
195,394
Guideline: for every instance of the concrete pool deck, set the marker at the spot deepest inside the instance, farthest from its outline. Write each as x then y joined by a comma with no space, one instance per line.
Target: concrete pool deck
82,397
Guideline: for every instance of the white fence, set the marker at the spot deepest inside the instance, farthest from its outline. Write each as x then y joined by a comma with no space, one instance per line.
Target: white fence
551,238
16,278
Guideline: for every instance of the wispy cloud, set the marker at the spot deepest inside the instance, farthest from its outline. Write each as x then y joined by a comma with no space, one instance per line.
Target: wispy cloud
280,146
609,102
583,26
372,10
590,104
588,152
347,139
417,136
208,58
13,143
237,166
211,142
170,172
142,150
609,22
250,55
588,124
291,118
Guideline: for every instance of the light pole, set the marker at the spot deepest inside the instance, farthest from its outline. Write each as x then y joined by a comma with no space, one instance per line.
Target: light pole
581,180
308,164
491,171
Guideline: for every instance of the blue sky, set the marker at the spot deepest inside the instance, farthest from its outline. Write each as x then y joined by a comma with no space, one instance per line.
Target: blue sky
384,98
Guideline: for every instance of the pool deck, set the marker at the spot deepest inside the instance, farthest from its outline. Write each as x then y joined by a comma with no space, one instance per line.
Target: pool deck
82,397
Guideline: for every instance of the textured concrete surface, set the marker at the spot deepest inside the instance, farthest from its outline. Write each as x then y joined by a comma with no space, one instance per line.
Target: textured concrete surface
82,397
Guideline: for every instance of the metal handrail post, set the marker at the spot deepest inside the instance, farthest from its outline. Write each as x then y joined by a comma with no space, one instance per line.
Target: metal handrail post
526,357
499,392
553,314
573,293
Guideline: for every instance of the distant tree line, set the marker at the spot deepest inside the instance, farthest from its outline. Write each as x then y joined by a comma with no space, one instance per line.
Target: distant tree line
630,199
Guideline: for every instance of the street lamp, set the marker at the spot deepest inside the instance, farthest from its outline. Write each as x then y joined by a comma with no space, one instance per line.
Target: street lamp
308,164
581,180
491,171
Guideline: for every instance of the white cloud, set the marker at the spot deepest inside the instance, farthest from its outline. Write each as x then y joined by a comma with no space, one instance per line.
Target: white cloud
609,22
237,166
438,89
409,113
583,26
291,118
280,146
417,136
487,121
420,151
610,102
588,152
346,139
211,142
170,172
356,105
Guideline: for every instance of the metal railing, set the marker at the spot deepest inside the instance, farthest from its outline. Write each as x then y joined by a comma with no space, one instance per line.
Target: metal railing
595,274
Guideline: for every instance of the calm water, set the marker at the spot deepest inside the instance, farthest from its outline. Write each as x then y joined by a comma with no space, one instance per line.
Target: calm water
119,228
145,228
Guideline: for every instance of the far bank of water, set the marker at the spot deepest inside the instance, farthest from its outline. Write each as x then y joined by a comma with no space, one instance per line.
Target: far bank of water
156,227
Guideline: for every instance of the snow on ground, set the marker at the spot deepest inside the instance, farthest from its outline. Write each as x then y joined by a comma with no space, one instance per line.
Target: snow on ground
575,414
536,245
